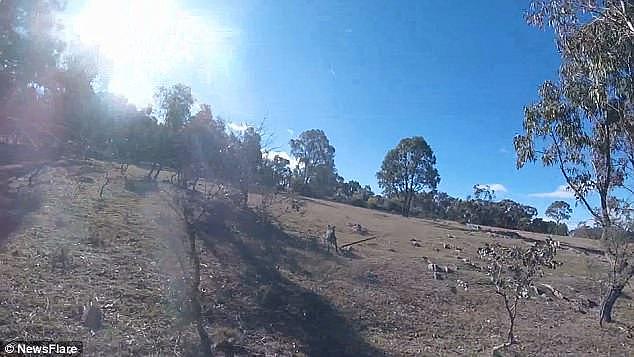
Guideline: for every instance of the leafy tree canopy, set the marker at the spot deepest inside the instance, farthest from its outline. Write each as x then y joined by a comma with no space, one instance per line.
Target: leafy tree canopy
407,169
559,211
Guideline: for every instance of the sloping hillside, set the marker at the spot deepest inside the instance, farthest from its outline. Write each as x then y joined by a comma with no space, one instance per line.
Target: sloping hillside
271,288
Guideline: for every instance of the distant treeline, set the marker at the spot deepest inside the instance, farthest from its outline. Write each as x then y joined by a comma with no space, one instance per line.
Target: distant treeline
49,107
439,205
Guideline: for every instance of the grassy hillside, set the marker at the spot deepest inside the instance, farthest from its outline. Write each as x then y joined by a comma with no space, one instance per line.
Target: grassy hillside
270,287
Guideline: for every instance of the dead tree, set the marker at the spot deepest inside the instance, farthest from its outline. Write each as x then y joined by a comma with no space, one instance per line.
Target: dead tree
192,220
105,183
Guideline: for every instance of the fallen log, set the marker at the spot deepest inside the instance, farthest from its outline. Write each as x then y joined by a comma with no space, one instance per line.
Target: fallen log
356,242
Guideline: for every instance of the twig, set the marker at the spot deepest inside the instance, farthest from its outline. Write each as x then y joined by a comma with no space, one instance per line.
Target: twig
357,242
105,183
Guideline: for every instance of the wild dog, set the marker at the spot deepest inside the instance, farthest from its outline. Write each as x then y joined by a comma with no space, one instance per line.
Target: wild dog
330,238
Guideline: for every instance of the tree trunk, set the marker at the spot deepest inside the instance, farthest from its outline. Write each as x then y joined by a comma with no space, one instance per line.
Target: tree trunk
404,212
406,204
608,303
244,194
510,338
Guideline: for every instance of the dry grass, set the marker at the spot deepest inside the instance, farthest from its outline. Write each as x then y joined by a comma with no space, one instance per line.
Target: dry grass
271,288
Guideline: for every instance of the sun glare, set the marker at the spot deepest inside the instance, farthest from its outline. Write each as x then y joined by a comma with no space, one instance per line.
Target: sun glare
149,42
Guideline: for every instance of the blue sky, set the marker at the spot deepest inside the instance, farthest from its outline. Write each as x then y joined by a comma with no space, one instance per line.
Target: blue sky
366,72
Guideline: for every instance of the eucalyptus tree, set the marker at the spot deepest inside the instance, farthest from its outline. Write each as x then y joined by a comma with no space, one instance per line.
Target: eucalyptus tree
584,124
559,211
316,162
408,169
174,105
483,192
30,53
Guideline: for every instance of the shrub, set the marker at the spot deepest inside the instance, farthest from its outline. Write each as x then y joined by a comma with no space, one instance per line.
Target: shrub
513,271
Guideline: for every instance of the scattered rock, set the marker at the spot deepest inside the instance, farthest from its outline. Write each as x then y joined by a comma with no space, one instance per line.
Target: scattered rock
346,251
554,291
433,267
357,228
461,284
474,227
86,179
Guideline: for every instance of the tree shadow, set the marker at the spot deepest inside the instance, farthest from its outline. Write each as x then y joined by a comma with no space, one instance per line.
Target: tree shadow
140,186
281,305
15,203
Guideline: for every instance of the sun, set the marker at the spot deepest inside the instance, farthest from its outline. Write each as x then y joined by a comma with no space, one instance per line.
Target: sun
149,42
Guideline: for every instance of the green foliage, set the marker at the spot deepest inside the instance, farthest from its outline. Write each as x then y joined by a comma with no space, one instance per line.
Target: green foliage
316,174
407,169
559,211
353,193
29,67
29,47
245,153
175,105
504,214
541,226
584,125
483,192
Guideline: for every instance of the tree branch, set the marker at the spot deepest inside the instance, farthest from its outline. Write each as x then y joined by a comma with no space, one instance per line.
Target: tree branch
569,180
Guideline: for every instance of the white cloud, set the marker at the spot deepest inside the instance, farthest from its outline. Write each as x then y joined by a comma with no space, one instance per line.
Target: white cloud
294,162
562,191
290,131
239,127
497,187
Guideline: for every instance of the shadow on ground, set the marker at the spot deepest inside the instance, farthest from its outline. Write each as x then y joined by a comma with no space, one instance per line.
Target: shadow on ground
282,306
15,204
140,186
